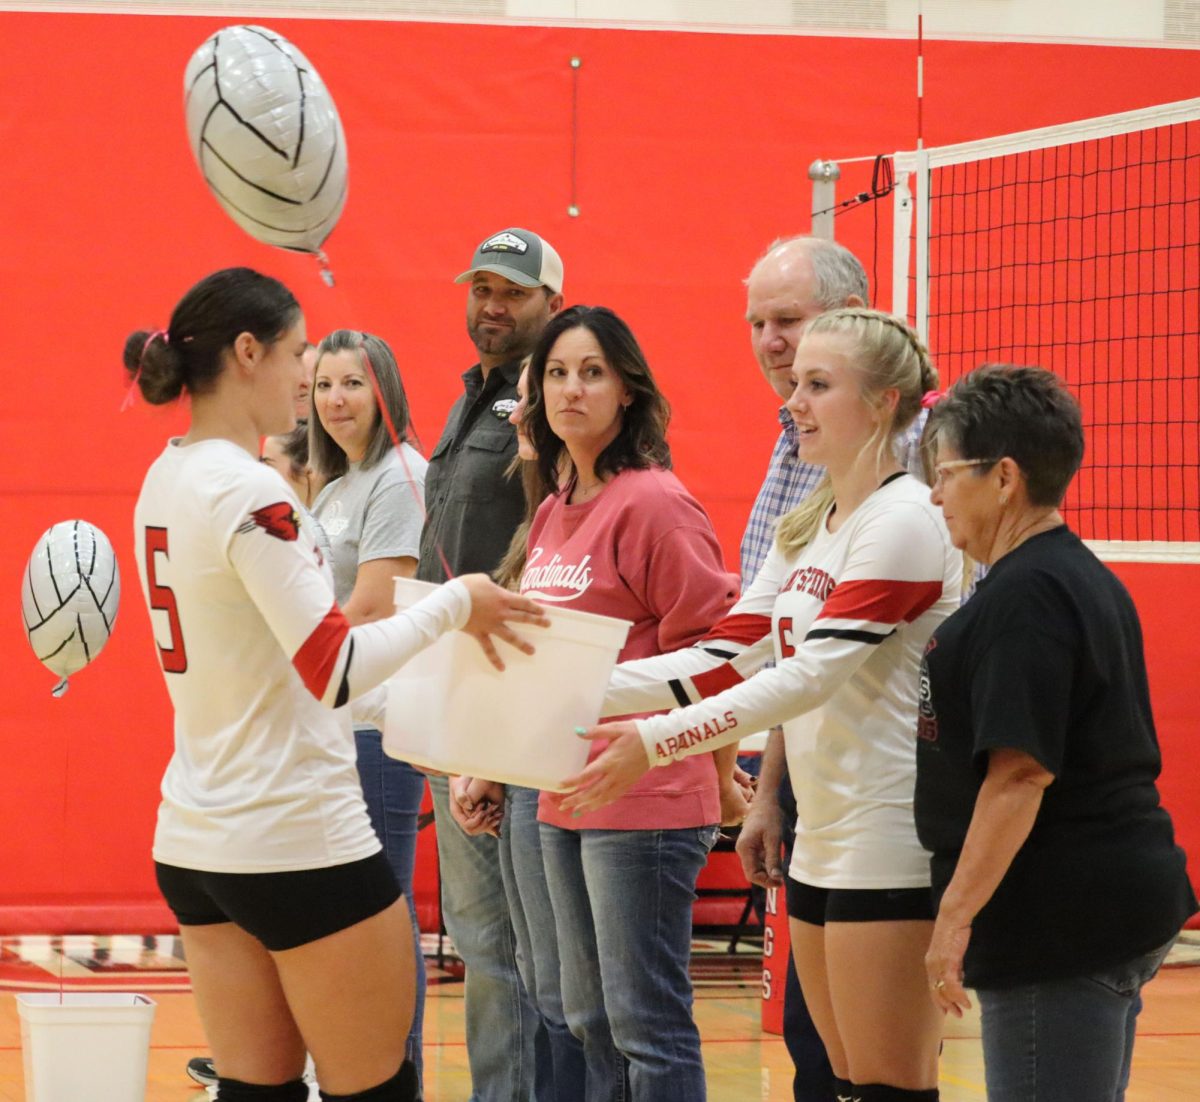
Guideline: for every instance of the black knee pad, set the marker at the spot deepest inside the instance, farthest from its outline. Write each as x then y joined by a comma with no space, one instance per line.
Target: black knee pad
843,1090
234,1090
402,1087
882,1092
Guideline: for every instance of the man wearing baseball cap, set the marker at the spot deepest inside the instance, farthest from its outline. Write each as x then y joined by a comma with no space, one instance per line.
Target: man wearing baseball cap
520,256
473,508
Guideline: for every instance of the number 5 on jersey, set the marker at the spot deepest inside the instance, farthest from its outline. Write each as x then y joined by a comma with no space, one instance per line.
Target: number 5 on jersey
787,642
162,599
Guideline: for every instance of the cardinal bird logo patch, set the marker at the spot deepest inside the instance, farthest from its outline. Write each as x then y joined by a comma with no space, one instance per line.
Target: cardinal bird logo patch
279,520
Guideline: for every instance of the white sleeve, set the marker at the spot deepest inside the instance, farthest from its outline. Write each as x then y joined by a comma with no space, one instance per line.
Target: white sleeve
893,573
737,645
276,562
370,708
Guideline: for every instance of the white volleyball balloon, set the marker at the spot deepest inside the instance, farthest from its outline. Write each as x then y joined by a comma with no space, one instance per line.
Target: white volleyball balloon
267,137
69,597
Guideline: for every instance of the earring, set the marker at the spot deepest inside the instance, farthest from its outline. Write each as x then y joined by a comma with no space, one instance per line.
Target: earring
1003,499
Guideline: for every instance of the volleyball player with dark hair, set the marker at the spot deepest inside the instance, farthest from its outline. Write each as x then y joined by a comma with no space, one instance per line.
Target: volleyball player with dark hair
295,933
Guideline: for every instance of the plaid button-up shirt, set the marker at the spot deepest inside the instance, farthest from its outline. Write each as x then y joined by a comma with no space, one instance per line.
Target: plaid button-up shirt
789,481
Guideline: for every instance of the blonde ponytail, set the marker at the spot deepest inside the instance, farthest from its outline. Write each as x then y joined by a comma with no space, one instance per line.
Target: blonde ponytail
797,528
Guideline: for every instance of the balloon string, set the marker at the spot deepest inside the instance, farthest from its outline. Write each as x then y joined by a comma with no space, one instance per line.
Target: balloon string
345,310
323,266
66,826
131,389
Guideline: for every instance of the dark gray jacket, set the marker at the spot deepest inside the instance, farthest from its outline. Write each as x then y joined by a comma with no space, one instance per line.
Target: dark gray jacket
473,506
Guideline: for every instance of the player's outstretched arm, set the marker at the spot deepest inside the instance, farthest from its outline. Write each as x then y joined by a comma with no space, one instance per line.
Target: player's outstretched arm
370,653
338,663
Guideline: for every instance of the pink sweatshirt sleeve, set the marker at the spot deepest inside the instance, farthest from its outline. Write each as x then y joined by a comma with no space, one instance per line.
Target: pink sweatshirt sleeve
669,556
688,586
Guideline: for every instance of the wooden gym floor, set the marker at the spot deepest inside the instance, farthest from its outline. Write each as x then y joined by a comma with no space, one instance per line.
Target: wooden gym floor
744,1064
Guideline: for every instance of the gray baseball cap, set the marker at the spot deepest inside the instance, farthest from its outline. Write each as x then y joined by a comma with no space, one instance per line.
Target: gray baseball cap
519,255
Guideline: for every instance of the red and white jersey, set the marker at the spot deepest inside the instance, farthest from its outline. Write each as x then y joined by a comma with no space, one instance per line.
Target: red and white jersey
258,661
846,622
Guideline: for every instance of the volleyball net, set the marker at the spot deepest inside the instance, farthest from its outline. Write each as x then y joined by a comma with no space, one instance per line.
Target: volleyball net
1076,247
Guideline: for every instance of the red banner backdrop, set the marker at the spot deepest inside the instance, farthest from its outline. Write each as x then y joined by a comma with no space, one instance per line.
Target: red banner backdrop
691,153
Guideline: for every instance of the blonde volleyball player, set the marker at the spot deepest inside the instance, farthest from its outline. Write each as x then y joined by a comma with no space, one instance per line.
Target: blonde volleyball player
860,575
295,932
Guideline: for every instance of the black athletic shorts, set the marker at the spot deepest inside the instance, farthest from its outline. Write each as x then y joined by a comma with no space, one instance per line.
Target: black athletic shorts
820,905
281,909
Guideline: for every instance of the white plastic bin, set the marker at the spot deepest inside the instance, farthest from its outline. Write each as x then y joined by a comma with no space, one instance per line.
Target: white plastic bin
449,709
85,1045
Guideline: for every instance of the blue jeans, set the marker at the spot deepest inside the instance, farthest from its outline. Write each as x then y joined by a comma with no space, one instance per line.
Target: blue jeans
623,906
501,1021
393,791
524,877
1065,1040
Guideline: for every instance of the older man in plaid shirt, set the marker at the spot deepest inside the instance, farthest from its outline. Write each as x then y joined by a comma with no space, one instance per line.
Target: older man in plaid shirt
796,279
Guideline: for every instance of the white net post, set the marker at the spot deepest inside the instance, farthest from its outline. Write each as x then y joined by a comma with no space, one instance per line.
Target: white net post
904,164
824,176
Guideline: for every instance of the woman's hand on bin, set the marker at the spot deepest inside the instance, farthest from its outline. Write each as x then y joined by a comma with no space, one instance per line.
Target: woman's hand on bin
613,773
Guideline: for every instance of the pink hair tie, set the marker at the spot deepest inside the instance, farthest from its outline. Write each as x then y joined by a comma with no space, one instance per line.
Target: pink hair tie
931,398
127,401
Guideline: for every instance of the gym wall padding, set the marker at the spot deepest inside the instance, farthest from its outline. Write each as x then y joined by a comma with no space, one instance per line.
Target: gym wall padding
692,155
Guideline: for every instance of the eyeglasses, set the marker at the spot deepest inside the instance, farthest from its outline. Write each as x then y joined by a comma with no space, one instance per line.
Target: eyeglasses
940,469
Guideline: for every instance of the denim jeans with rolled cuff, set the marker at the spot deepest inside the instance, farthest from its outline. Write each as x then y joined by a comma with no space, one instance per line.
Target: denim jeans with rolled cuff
524,874
622,903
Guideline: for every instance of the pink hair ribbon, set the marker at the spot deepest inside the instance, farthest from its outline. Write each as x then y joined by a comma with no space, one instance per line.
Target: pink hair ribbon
127,401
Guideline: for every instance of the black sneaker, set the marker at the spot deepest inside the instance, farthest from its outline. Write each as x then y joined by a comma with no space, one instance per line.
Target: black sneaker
201,1069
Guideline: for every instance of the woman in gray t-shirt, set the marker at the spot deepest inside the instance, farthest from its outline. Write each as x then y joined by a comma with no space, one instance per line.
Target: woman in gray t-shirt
372,509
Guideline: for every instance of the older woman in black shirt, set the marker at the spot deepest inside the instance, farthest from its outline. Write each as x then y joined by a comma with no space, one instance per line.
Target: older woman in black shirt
1058,881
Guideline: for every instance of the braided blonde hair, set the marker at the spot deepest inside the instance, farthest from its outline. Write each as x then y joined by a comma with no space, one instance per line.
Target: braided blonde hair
888,355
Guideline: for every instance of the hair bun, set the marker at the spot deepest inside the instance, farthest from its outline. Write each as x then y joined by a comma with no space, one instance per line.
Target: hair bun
154,365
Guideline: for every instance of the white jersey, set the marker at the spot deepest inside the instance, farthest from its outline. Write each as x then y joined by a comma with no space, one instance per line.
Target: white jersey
846,621
259,662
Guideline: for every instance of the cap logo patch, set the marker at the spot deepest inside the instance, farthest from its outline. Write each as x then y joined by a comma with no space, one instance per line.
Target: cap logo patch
504,243
504,407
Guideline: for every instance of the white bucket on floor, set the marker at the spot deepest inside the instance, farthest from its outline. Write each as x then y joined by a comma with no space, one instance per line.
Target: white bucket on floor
449,709
85,1045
